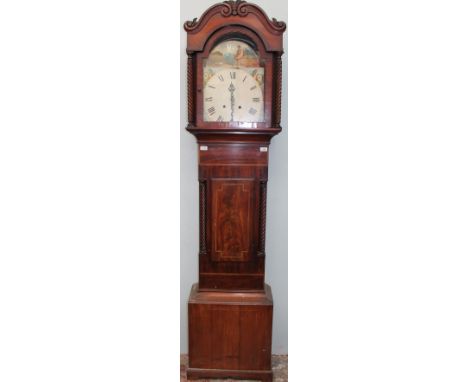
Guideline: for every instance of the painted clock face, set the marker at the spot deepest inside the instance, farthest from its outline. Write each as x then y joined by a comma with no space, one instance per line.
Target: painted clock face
233,84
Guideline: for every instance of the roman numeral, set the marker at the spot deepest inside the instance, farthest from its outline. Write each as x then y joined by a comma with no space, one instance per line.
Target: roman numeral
244,79
211,110
253,87
221,78
252,111
233,75
256,99
254,73
220,119
211,86
209,99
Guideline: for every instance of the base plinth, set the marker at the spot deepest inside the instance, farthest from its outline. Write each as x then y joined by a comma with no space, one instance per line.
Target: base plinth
230,334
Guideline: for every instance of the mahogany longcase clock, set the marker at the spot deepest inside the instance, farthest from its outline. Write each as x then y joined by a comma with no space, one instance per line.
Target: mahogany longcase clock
234,109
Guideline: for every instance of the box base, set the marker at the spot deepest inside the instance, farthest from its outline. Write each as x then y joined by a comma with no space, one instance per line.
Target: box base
230,334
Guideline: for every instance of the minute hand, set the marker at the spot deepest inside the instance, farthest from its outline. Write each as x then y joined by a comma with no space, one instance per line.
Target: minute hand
232,89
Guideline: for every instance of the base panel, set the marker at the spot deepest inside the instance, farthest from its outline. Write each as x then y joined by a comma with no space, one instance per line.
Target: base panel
261,375
230,334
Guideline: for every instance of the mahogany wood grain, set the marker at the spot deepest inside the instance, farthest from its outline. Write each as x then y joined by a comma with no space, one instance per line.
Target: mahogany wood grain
230,334
231,308
233,215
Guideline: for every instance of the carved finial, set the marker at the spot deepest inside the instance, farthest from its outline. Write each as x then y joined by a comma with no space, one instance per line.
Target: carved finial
189,25
279,24
234,8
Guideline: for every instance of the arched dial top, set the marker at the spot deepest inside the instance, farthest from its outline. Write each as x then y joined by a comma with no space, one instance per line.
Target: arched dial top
233,84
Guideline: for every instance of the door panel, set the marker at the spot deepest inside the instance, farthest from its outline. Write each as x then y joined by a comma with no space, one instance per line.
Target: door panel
233,219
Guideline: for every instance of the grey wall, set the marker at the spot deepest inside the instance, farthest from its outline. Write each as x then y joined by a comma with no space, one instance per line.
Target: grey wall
277,204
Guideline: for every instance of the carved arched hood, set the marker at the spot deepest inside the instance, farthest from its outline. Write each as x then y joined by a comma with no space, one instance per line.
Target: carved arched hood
239,13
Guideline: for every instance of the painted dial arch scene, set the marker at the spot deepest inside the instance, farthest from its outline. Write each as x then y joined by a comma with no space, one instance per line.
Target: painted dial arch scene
233,84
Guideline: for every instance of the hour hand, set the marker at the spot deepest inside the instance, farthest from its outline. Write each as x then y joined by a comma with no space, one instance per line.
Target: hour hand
232,89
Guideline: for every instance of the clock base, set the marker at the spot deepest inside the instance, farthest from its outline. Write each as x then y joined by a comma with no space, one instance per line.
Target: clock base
261,375
230,334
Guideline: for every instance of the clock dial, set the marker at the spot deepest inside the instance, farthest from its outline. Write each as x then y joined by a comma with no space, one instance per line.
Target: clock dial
233,84
233,95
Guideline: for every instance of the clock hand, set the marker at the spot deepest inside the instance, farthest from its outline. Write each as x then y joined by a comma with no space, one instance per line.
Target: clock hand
232,89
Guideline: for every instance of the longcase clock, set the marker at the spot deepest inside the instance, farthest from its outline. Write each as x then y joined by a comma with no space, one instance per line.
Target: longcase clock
234,109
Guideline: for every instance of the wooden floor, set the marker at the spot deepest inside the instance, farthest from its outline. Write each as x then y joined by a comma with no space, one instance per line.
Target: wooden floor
279,363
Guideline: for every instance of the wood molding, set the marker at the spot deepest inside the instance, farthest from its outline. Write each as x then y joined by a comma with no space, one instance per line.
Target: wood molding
259,375
233,135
